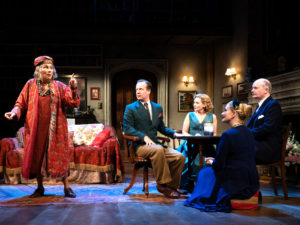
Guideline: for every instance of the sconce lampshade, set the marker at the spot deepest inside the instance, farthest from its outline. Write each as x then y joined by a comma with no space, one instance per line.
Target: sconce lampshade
191,79
230,71
188,80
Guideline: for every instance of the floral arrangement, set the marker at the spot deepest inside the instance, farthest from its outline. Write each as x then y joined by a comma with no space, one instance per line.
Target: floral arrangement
292,150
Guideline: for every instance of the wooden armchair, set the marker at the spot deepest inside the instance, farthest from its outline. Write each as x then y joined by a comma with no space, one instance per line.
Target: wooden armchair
281,164
138,162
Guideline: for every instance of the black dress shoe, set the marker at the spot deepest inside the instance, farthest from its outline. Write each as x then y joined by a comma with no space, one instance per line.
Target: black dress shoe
167,192
69,193
161,188
39,192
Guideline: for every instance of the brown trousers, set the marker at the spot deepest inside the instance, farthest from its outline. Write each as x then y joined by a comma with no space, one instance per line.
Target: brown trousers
167,163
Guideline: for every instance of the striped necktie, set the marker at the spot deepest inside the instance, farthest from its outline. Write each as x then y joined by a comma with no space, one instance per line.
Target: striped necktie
147,109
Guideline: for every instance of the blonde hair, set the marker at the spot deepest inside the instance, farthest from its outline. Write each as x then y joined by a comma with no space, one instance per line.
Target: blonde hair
205,99
37,72
243,110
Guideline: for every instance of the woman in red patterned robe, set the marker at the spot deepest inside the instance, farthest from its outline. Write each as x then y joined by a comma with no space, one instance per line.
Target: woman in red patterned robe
43,100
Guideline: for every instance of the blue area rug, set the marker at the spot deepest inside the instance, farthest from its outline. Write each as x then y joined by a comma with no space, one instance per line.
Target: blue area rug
18,195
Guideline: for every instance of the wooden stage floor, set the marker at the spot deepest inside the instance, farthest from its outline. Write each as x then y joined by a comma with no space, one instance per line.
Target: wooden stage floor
105,204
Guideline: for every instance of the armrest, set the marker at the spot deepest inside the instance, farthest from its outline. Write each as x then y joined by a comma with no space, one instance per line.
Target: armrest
132,138
129,140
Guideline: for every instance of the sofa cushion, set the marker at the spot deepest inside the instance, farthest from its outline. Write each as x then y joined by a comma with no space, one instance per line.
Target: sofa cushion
85,134
101,138
112,130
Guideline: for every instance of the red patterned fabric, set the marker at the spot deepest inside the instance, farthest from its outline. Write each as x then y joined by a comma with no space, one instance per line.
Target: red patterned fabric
13,162
245,204
101,159
101,138
58,152
41,59
6,145
105,159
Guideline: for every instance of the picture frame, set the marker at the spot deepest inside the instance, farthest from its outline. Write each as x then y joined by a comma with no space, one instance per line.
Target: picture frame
95,93
186,101
243,88
227,91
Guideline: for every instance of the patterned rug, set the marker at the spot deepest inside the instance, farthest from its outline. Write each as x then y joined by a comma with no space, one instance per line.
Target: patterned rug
18,195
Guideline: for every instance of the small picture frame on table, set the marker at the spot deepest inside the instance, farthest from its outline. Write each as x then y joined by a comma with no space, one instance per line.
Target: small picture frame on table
95,93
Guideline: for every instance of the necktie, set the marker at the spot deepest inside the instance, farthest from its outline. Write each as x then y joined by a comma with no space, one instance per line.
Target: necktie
147,109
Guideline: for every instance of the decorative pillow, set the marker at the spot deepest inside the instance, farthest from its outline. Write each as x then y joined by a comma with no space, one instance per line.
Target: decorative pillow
85,134
70,139
250,203
101,138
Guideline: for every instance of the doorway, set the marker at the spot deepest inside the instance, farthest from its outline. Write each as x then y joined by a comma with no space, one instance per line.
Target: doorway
123,93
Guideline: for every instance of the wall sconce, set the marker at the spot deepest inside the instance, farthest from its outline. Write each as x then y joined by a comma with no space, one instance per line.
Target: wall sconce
188,80
231,72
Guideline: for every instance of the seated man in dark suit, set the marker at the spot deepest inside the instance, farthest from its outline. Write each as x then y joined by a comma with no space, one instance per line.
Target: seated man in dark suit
143,119
266,123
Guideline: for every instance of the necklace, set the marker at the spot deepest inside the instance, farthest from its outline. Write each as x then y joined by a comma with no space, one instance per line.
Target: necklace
40,89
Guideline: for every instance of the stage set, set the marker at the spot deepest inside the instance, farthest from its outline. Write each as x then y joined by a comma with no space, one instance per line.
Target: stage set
183,48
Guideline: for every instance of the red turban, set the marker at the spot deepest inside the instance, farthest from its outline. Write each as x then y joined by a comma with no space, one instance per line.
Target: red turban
42,59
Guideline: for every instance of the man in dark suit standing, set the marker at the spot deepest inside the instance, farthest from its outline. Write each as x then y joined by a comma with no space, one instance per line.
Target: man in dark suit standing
143,119
266,123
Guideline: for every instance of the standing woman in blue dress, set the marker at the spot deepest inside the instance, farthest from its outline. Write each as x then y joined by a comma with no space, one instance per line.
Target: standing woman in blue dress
233,173
201,122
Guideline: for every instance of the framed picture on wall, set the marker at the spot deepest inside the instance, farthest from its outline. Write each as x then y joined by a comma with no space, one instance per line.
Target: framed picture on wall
95,93
81,83
227,91
186,101
243,88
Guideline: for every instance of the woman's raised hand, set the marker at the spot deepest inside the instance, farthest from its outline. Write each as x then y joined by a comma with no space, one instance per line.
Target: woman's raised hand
73,82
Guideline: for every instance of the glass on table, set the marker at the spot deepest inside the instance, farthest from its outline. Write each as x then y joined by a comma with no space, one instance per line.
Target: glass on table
208,129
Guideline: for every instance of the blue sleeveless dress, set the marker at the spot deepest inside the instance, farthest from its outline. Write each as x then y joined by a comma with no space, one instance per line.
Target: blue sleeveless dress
195,128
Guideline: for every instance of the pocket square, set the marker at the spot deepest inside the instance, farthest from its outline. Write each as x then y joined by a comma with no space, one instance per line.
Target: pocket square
261,116
160,115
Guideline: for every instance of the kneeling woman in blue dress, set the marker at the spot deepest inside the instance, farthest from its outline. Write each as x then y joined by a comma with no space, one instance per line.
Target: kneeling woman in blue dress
233,172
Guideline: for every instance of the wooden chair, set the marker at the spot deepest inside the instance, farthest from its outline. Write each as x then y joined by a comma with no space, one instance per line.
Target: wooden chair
281,164
178,140
137,161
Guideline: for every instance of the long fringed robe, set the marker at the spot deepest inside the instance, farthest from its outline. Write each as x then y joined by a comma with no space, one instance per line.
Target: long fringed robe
56,159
